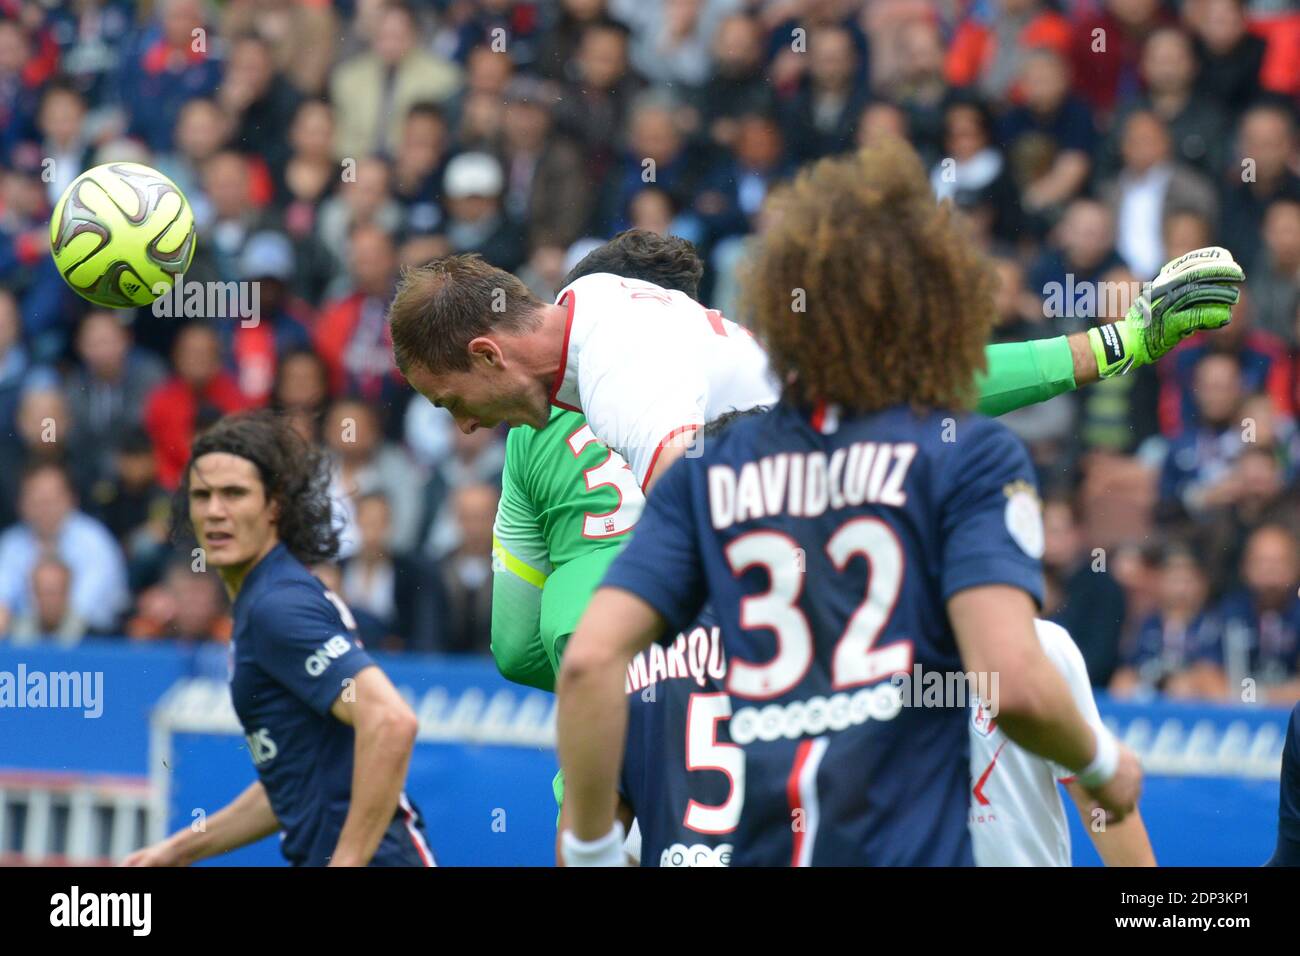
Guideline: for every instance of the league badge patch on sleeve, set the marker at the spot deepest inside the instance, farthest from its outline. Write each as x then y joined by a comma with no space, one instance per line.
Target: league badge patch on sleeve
1024,517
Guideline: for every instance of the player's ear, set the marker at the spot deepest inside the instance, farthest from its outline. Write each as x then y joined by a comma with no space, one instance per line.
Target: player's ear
484,351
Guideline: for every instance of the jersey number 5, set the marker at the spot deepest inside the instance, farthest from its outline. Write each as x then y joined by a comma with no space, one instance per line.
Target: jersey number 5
703,752
853,661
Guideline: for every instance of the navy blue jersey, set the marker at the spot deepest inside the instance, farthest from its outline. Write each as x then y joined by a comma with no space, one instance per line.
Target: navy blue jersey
828,560
295,649
682,776
1287,852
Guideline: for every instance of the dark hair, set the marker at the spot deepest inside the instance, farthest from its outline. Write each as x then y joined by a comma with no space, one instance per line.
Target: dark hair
667,261
38,465
718,425
443,306
293,473
426,108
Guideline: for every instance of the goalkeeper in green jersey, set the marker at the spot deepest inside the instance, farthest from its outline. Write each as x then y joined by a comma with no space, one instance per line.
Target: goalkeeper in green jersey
568,502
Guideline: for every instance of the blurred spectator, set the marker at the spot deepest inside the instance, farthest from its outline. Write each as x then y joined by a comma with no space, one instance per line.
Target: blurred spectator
488,73
1198,128
363,200
364,463
417,169
170,61
819,120
13,362
26,267
598,93
62,125
135,508
1262,360
465,574
1081,595
671,41
352,334
1197,468
1275,281
1266,143
989,53
261,102
1254,653
1185,231
541,189
106,392
389,583
473,188
1107,49
919,88
189,605
1049,139
203,130
44,431
559,45
51,525
311,173
1045,427
1151,186
1170,639
301,35
51,618
374,632
1230,55
91,35
252,346
1255,493
974,172
658,157
301,391
1068,273
20,82
372,91
737,85
198,394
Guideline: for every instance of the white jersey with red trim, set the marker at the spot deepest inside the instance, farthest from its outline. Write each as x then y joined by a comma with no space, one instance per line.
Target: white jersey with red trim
1016,814
645,363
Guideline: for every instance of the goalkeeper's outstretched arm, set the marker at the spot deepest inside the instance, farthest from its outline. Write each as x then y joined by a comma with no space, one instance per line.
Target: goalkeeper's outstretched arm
1192,293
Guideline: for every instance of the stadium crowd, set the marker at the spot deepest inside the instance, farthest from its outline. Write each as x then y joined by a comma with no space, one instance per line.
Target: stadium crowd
324,146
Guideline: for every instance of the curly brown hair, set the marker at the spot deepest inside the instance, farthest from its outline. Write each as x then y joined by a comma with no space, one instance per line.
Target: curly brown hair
866,291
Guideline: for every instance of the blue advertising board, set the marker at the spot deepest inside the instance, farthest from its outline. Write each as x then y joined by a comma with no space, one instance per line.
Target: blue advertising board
482,767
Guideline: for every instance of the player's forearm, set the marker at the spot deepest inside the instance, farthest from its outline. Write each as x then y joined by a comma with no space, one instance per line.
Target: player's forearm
1025,373
1041,715
590,725
994,626
246,819
516,637
382,756
1123,843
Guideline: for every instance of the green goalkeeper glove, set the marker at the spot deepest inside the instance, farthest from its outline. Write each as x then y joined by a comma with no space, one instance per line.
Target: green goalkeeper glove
1193,292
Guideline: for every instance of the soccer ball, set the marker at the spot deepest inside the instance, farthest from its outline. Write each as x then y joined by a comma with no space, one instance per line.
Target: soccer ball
120,235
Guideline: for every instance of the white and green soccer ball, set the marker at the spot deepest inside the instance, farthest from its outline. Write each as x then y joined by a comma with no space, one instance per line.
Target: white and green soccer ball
121,234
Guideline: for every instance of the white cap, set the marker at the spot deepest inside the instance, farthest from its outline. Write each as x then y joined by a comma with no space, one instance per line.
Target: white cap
472,174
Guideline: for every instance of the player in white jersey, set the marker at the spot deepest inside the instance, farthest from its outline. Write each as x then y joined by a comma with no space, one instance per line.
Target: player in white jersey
648,366
1016,814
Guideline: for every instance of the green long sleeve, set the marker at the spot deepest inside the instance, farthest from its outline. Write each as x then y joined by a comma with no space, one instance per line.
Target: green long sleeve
1024,373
